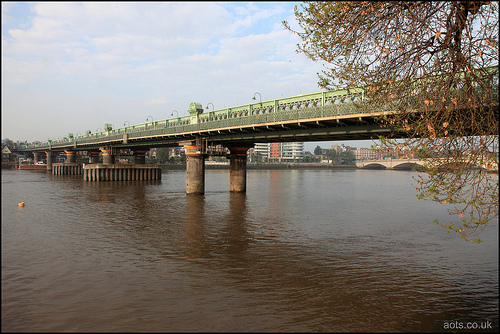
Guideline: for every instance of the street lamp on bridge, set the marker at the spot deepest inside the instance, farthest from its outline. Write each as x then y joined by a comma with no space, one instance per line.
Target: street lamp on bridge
172,114
260,97
212,106
148,118
126,122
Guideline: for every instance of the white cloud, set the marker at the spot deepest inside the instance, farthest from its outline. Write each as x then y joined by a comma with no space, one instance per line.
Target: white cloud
124,61
18,72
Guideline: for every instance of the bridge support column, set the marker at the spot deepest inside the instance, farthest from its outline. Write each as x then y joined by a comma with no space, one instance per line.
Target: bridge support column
140,157
70,156
195,170
107,155
94,157
36,157
238,169
49,160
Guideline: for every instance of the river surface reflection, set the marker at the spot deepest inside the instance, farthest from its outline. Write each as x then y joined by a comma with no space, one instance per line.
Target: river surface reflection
302,250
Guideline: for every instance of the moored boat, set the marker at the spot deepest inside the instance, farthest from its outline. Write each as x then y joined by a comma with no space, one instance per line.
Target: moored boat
39,165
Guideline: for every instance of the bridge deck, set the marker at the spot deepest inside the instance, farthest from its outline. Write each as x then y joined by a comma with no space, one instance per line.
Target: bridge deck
332,122
325,115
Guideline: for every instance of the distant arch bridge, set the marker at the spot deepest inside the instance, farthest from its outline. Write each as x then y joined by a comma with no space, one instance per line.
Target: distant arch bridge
390,163
405,163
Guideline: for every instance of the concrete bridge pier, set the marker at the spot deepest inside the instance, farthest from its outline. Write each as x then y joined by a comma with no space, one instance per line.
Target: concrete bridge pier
36,157
238,169
108,157
195,169
94,157
49,159
70,156
140,157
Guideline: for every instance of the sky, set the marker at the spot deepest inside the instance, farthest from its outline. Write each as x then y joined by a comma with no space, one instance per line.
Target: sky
69,67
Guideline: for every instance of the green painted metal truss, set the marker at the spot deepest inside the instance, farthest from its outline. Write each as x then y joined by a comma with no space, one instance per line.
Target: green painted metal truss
324,115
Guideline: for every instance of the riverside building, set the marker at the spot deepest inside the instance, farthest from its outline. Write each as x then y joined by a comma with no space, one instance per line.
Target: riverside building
280,152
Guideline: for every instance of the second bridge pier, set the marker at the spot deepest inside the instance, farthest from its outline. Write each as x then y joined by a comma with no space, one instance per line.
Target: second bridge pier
196,152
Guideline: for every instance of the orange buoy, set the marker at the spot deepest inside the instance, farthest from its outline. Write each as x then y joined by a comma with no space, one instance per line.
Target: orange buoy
21,204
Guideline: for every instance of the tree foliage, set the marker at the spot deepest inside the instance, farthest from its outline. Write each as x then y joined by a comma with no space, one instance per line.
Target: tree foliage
318,150
331,154
162,154
347,157
10,144
434,64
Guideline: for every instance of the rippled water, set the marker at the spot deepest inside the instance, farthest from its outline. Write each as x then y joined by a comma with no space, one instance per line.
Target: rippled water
302,250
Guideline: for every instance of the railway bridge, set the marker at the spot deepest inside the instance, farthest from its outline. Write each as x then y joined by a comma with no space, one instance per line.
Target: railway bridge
332,115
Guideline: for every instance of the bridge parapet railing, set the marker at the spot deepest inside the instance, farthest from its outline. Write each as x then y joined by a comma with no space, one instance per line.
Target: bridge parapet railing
246,115
335,106
311,105
279,116
299,107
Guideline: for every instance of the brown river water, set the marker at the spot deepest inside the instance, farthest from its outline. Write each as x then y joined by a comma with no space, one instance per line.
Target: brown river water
302,250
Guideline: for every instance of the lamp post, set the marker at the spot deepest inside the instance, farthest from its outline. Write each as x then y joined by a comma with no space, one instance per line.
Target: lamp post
172,114
212,106
260,97
148,118
98,130
126,122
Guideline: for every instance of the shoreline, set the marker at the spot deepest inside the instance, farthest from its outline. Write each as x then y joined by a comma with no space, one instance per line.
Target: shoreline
301,165
269,166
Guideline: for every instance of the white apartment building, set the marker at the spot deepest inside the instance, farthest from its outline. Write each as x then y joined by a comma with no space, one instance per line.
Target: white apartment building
292,152
262,150
282,152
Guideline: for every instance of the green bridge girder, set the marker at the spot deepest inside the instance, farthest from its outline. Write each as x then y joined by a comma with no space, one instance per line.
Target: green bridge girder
320,116
251,125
